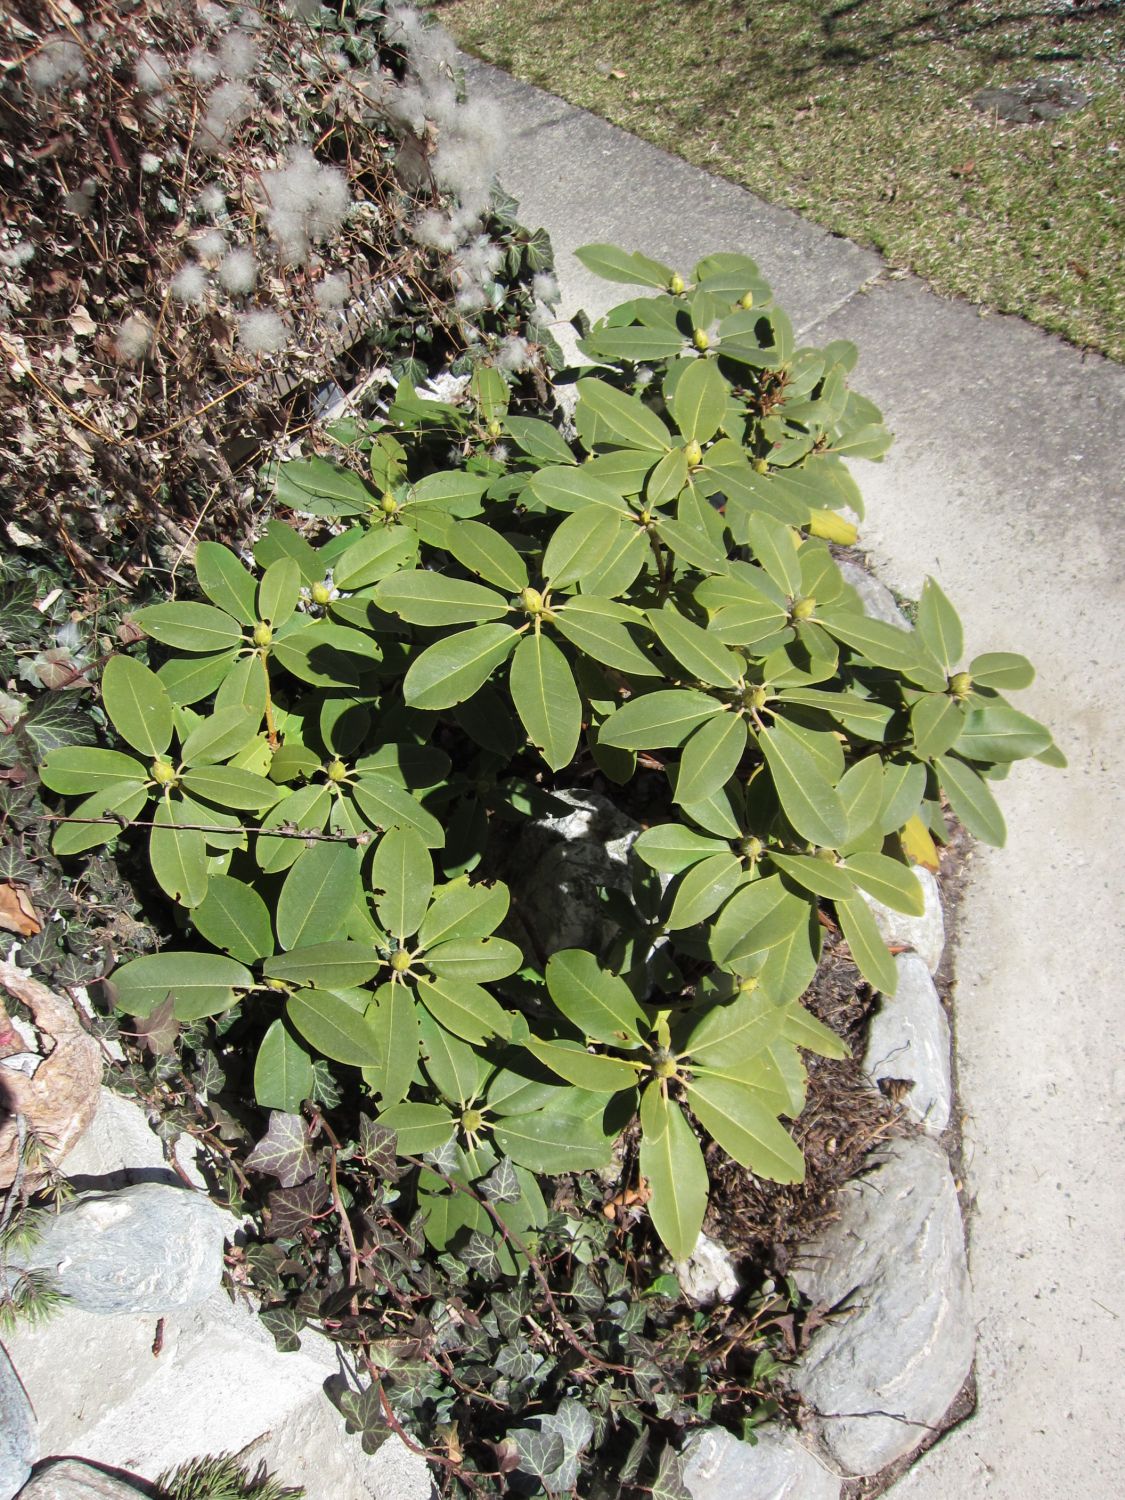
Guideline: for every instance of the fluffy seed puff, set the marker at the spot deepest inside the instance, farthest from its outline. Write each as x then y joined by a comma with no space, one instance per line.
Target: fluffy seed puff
262,333
305,204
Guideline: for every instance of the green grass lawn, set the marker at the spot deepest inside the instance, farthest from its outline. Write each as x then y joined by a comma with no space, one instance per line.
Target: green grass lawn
856,114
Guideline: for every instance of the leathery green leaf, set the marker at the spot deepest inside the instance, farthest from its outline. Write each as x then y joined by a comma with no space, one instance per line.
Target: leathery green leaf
549,1141
606,415
1003,671
375,556
200,984
700,653
279,591
221,735
464,1008
225,581
816,875
118,804
710,757
189,627
657,720
570,1060
230,787
138,704
599,627
860,790
463,910
234,918
971,800
773,545
807,798
327,966
481,959
672,847
628,266
452,669
803,1029
317,894
699,401
546,699
418,1127
936,722
731,1034
702,889
334,1028
394,1017
746,1130
454,1067
485,552
997,732
599,1004
890,882
283,1071
871,955
939,625
581,543
671,1160
386,805
402,875
667,479
424,598
178,857
574,489
76,768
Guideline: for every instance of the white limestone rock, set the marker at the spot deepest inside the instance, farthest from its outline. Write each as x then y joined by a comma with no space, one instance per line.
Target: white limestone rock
19,1439
709,1276
877,600
885,1371
120,1147
147,1248
71,1479
925,934
776,1467
909,1038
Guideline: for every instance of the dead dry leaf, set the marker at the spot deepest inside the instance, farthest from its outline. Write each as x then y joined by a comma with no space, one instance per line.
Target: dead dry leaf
17,914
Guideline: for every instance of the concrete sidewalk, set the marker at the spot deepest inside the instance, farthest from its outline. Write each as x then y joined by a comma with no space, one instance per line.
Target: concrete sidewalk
1005,484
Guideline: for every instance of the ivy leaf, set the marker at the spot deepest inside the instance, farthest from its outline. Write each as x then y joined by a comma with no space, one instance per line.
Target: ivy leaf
363,1413
377,1144
55,720
286,1324
669,1482
479,1252
546,699
292,1208
502,1185
285,1151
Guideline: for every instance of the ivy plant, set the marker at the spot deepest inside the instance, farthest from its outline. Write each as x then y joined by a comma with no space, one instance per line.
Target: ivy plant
327,751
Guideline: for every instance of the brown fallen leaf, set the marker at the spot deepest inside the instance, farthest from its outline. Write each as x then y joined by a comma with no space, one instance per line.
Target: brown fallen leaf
966,169
17,914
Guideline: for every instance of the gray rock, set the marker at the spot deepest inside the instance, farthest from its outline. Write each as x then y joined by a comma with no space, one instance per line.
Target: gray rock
709,1276
885,1371
146,1248
909,1038
19,1433
1028,103
71,1479
877,600
120,1147
776,1467
556,866
925,934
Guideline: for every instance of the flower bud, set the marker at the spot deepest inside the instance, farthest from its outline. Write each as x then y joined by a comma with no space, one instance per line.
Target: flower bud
701,339
676,285
961,684
336,771
263,634
388,505
746,301
531,601
163,772
400,961
803,609
694,454
320,593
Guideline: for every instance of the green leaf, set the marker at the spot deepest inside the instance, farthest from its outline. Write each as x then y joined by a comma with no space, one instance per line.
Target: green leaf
394,1017
860,790
485,552
462,910
575,489
634,343
667,479
745,1128
606,415
424,598
306,810
225,581
599,1004
699,402
327,966
890,882
120,802
999,733
546,699
320,488
317,894
402,875
376,555
221,735
189,627
490,391
279,591
138,705
178,857
75,768
389,806
455,1069
692,546
234,917
886,646
200,984
673,1163
1003,671
539,440
804,1030
936,722
672,847
871,955
546,1141
773,544
599,627
582,543
710,757
188,679
768,930
481,959
657,720
807,798
280,540
464,1008
283,1072
628,266
227,786
733,1034
700,653
939,625
702,889
452,669
862,717
418,1127
334,1028
625,559
452,490
570,1060
816,875
971,800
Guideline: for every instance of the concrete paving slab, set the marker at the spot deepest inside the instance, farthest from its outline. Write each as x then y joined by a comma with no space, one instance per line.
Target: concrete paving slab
1005,485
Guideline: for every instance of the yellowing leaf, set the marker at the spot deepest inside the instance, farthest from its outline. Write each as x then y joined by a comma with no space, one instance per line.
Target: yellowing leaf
917,844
